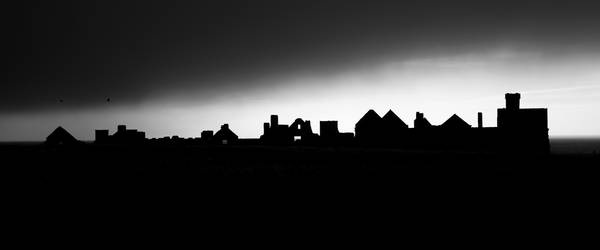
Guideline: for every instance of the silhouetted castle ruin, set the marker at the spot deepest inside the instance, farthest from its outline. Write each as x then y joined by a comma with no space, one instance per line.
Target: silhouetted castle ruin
517,130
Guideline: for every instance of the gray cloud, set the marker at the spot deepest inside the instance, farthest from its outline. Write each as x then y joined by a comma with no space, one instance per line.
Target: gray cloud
85,51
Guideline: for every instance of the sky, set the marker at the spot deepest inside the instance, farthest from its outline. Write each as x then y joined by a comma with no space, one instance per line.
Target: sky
180,67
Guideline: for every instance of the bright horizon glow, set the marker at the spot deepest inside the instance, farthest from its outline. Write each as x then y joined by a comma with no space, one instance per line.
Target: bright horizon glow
569,86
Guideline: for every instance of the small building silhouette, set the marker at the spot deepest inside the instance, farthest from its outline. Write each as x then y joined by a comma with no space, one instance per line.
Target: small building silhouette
122,136
329,129
280,134
394,130
275,133
61,136
225,136
301,130
523,129
368,128
330,134
206,136
392,122
421,121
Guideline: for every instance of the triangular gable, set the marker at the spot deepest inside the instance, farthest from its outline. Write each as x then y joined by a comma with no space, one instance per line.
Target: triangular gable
426,122
455,122
392,119
225,132
61,136
370,117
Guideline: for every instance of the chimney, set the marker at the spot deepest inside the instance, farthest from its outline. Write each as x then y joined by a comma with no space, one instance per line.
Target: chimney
479,120
121,128
418,120
512,101
419,115
274,121
225,126
265,128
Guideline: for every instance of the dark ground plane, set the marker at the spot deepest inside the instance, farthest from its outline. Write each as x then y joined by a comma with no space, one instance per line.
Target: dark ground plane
350,189
571,159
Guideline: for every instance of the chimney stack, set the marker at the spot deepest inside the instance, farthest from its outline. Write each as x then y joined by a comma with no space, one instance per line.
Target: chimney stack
265,128
512,101
274,121
479,120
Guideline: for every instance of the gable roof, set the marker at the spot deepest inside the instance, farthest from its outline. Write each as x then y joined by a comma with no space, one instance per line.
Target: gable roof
370,117
455,122
61,136
391,119
225,133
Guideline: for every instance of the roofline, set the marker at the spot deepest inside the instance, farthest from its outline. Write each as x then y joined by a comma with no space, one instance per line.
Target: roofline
526,109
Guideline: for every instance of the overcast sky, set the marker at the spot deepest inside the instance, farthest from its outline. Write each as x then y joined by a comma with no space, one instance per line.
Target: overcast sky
179,67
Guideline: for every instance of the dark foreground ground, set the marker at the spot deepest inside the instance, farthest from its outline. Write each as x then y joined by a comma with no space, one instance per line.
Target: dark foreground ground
571,160
352,193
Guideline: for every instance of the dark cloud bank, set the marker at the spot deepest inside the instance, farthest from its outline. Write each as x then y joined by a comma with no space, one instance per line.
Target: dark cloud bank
85,51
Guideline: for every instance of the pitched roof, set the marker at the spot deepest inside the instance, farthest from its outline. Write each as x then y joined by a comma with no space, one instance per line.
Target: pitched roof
225,132
60,136
455,122
392,119
370,117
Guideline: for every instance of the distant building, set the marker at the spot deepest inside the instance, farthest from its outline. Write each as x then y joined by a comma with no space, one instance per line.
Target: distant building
206,136
301,130
60,136
375,130
329,129
525,129
394,129
122,136
330,134
455,122
518,130
280,134
421,121
225,136
392,122
368,128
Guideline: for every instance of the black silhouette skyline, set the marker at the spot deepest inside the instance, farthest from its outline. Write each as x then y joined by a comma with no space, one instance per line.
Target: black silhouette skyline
106,102
516,147
523,130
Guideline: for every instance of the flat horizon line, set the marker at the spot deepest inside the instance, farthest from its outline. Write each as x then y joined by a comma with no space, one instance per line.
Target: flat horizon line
550,137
